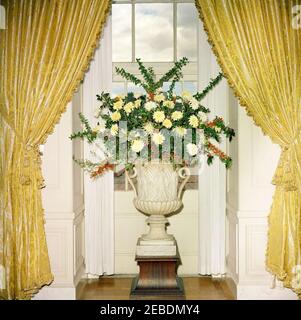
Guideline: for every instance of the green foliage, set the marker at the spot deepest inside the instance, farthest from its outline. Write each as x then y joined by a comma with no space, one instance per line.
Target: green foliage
174,73
149,84
87,133
128,76
201,95
209,159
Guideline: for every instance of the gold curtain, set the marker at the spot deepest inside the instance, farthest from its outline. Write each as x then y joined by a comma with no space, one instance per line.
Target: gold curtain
44,52
259,51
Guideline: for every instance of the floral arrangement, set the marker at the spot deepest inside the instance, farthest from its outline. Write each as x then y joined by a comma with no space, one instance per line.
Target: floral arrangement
155,125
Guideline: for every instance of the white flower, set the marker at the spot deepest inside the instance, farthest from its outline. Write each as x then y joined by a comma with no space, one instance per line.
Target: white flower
149,128
203,116
137,145
217,129
158,138
177,115
201,136
105,111
150,105
134,134
97,112
194,103
159,116
192,149
180,131
114,129
101,127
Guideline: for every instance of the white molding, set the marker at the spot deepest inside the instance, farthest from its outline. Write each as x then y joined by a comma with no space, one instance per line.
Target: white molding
54,215
245,214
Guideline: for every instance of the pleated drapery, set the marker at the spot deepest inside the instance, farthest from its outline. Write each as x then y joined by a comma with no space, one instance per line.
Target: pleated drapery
259,50
44,52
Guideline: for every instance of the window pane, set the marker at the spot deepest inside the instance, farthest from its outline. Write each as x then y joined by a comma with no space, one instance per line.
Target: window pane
122,32
118,88
190,86
154,32
131,87
177,90
187,31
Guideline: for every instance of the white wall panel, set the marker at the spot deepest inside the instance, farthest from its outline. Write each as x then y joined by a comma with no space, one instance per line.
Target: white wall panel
64,209
249,197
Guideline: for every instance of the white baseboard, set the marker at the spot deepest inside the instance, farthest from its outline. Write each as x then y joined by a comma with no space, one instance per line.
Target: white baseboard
259,291
264,292
50,293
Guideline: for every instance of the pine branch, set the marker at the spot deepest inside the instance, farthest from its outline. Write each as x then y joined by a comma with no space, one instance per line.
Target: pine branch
211,85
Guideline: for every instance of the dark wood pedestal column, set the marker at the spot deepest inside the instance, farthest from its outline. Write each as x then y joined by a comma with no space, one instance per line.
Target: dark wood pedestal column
157,279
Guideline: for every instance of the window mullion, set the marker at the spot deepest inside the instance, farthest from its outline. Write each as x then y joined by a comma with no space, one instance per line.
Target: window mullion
133,33
175,31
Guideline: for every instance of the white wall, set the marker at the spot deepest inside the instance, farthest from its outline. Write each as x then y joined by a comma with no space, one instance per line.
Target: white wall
130,224
249,197
64,206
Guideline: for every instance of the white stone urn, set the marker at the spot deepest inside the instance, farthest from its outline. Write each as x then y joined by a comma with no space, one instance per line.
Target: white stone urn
157,194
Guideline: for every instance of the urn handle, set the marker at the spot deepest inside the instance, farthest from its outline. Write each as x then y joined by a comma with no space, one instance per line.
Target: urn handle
130,178
183,173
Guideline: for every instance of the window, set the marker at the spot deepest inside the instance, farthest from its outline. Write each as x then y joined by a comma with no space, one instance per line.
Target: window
159,32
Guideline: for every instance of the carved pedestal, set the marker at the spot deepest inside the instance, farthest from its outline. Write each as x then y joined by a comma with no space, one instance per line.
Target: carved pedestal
157,278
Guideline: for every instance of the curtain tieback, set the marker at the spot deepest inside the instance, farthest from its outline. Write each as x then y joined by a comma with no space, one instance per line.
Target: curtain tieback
31,170
286,172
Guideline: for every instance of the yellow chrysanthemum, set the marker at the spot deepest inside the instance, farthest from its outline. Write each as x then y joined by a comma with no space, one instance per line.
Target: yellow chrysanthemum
159,116
194,121
128,108
177,115
167,123
180,131
137,103
169,104
149,128
116,116
159,97
186,95
114,129
118,105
